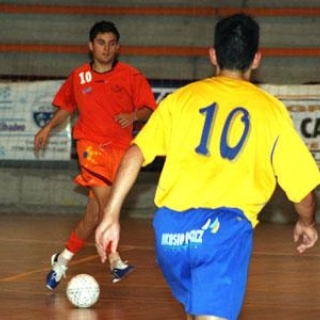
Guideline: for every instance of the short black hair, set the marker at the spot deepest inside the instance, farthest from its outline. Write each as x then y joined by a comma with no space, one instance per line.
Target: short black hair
103,27
236,41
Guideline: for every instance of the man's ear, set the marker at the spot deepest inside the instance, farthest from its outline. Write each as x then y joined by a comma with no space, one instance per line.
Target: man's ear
256,60
90,46
213,57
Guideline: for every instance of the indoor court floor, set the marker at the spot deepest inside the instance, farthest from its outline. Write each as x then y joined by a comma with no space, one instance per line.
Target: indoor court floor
283,285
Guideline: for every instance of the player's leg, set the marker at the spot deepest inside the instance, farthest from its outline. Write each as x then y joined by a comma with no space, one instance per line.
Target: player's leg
87,224
118,268
75,243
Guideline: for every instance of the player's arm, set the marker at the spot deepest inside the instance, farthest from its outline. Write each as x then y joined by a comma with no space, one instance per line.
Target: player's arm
143,114
108,231
305,233
127,119
41,137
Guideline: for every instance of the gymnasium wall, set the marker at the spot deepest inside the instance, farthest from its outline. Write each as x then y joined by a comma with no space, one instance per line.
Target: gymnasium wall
164,39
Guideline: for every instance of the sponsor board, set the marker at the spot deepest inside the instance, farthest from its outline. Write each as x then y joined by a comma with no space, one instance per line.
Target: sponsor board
303,104
25,107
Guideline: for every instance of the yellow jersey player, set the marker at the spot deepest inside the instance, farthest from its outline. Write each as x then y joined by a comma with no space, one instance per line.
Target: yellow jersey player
227,144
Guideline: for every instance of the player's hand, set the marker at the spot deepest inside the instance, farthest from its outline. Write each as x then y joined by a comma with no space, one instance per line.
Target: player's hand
125,119
107,238
41,139
305,236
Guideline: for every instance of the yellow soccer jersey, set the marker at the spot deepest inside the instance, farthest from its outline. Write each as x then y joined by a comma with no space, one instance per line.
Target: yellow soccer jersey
226,143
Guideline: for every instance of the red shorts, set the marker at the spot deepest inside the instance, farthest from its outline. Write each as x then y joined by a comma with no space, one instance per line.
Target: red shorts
98,163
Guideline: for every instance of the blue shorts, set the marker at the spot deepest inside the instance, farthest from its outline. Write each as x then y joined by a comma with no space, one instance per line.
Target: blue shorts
204,255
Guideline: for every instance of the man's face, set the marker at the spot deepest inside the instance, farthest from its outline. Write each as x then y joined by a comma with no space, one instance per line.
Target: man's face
104,48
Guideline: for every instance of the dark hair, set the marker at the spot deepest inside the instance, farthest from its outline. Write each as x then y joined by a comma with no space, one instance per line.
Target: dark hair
103,27
236,42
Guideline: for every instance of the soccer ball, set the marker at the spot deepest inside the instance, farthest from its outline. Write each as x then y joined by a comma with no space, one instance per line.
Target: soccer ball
83,291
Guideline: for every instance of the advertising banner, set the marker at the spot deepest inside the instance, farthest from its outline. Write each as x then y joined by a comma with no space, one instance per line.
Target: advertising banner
303,104
25,107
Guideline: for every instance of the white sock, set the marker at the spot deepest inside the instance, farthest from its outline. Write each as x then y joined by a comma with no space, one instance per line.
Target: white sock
120,264
65,256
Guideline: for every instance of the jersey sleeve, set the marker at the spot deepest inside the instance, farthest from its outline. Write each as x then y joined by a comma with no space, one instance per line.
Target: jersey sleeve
143,95
295,168
152,139
64,97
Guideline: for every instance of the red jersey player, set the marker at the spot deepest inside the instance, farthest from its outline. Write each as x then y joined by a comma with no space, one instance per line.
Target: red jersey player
109,96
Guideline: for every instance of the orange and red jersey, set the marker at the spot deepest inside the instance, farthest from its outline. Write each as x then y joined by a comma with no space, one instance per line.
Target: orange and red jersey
99,97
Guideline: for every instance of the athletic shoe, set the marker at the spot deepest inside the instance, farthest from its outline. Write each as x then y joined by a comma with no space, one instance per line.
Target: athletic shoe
58,271
121,270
